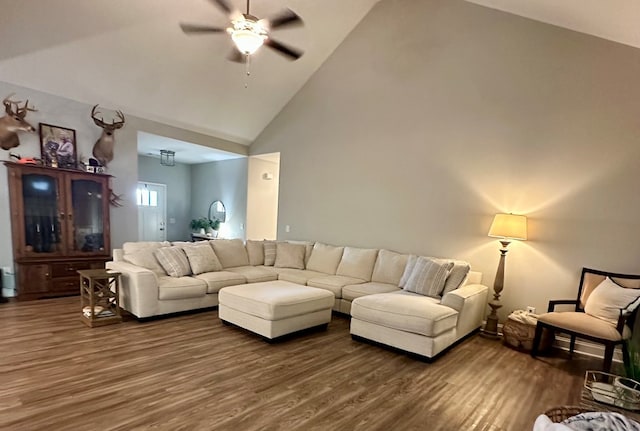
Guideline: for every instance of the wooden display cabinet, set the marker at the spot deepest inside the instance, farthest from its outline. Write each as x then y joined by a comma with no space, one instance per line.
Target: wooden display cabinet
59,225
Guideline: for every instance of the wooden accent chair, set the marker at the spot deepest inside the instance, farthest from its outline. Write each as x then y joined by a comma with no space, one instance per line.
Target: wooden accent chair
579,324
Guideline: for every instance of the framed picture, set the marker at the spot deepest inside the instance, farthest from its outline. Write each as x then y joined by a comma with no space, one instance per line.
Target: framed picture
58,146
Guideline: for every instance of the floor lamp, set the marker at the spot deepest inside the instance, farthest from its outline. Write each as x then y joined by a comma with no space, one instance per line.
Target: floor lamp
505,227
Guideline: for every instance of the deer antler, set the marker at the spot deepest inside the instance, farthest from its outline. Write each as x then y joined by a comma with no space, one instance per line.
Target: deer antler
118,124
99,121
8,103
22,112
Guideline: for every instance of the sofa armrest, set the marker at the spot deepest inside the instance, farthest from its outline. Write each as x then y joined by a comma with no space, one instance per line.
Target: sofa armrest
138,289
456,298
471,303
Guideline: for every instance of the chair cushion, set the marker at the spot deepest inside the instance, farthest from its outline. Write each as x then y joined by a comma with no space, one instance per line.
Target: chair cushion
202,258
255,251
325,258
299,276
582,323
357,263
289,255
405,311
230,252
609,299
174,261
219,279
428,277
334,283
180,288
389,267
255,274
353,291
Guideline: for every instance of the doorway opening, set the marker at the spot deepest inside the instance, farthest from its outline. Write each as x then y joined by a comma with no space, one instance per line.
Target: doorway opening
151,199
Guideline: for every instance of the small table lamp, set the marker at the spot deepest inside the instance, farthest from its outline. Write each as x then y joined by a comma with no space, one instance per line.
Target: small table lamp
507,227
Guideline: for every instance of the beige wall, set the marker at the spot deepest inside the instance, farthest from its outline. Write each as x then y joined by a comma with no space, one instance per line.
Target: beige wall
433,115
262,199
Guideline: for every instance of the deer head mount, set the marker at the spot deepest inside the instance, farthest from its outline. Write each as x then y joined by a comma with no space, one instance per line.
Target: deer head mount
103,148
14,122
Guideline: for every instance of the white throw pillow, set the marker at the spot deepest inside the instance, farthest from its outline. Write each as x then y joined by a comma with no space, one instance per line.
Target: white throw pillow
357,263
325,258
408,269
389,267
289,255
174,261
608,299
202,258
428,277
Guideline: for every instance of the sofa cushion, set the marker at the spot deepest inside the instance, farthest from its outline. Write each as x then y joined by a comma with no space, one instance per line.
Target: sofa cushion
132,247
255,274
457,276
353,291
202,258
299,276
219,279
389,267
269,253
325,258
180,288
174,261
428,276
408,269
145,258
255,251
357,263
230,252
289,255
308,248
275,300
405,311
334,283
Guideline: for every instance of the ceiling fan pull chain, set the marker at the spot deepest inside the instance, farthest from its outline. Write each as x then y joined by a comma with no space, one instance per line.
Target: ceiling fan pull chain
247,64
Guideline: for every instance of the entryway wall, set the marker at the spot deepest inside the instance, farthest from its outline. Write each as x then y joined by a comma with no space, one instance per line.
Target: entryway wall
262,196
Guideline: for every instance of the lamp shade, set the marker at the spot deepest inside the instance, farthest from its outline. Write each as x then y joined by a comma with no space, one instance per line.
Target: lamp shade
509,226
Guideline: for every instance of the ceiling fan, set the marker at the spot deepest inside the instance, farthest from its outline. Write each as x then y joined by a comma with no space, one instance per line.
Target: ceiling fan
249,33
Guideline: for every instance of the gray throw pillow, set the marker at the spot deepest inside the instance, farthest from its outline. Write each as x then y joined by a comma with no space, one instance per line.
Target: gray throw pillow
428,277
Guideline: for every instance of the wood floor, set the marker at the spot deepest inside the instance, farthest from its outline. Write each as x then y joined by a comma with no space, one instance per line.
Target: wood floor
190,372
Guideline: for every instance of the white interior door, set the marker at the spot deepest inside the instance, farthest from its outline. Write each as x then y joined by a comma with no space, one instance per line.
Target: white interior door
152,211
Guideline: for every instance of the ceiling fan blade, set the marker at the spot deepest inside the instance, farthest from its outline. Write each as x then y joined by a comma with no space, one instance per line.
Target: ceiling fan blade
291,53
236,56
286,18
224,5
196,28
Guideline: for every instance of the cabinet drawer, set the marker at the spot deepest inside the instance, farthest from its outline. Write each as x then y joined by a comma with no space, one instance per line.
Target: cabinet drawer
66,285
68,269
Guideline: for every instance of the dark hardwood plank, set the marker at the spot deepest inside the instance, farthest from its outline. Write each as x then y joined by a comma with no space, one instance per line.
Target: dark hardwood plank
190,372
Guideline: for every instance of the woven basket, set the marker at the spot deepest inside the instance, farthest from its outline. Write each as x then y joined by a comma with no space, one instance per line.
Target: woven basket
520,336
558,414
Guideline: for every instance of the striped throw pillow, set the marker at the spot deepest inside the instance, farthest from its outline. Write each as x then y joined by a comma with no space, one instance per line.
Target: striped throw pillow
174,261
269,253
428,277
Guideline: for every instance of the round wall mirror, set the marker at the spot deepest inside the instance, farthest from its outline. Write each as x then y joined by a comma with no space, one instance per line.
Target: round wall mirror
217,211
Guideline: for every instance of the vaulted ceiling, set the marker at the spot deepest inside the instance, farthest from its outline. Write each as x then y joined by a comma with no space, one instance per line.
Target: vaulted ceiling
132,55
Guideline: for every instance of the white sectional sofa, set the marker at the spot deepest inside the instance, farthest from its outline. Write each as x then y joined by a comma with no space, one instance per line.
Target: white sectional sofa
153,286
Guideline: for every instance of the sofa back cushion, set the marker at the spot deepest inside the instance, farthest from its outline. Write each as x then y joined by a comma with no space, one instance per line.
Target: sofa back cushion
174,261
255,251
357,263
145,258
428,276
230,252
389,267
308,249
289,255
202,258
325,258
132,247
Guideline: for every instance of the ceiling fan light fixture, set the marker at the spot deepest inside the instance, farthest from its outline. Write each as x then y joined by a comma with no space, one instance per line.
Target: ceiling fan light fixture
247,41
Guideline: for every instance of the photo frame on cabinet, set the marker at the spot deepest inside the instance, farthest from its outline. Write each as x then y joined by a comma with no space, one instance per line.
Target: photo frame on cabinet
58,146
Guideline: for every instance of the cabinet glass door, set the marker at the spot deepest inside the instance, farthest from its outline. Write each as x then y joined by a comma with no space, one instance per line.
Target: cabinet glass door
42,229
88,222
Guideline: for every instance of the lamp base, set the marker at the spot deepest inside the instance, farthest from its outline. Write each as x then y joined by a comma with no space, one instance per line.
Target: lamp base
490,329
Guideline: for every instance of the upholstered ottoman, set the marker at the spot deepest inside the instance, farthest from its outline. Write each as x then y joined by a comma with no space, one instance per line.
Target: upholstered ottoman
404,320
275,308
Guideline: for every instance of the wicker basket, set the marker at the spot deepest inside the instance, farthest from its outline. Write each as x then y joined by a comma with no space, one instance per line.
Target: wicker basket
520,336
559,414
